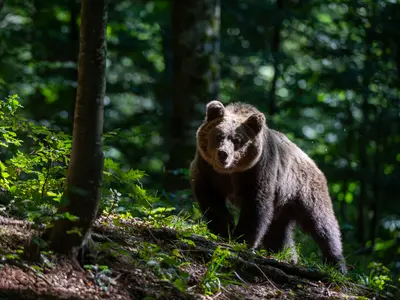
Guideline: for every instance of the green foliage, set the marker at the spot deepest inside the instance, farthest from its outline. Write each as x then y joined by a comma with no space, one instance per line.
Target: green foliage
378,278
34,172
166,265
285,255
182,222
101,275
215,278
115,179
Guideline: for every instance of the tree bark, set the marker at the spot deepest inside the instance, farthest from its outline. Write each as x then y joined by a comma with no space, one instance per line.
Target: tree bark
376,184
349,123
364,166
74,48
275,49
195,43
163,88
82,194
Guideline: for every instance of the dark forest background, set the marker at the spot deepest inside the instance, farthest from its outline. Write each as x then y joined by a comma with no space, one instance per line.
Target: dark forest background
326,74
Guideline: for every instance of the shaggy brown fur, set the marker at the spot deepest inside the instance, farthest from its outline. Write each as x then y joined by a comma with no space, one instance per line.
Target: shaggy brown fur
273,182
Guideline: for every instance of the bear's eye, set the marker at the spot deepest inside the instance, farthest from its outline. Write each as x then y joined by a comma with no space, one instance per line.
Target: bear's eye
219,136
236,142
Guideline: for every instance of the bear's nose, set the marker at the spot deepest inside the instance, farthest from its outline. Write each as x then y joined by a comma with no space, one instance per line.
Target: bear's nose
222,155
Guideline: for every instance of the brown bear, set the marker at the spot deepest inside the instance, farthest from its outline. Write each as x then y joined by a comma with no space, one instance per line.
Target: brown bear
273,182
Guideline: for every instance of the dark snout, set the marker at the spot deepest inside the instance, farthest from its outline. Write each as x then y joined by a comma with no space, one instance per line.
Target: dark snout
222,156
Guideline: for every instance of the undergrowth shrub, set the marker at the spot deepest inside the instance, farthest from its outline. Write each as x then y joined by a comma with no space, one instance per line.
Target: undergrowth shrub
33,168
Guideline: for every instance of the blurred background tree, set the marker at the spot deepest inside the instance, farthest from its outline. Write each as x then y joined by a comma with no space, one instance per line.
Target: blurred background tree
195,78
325,73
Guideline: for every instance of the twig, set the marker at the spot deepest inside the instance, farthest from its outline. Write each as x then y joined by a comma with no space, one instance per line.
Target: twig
149,231
217,295
240,278
266,277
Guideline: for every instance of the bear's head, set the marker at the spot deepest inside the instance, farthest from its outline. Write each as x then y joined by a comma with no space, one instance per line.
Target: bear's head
231,138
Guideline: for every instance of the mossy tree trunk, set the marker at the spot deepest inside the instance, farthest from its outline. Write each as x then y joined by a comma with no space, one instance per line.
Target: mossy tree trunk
82,194
195,44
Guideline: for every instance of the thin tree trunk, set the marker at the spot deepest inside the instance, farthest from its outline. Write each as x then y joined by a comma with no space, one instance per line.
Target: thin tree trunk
86,166
364,165
376,180
275,48
163,89
195,42
398,62
374,205
349,123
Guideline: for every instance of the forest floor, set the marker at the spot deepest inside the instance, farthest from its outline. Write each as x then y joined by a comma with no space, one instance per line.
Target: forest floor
137,261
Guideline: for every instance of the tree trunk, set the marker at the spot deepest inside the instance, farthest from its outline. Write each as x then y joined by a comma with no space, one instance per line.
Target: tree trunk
349,123
398,62
376,184
275,49
363,146
163,88
74,49
195,43
82,194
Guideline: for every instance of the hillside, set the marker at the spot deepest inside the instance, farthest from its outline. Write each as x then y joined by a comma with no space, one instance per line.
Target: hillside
130,259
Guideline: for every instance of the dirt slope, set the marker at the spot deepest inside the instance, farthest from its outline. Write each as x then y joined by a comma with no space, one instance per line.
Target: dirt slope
137,275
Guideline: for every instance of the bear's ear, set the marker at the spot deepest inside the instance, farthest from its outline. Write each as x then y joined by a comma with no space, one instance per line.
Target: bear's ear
214,109
255,122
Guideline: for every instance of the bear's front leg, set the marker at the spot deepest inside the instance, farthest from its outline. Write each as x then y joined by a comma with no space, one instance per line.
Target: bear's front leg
212,205
255,218
256,207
